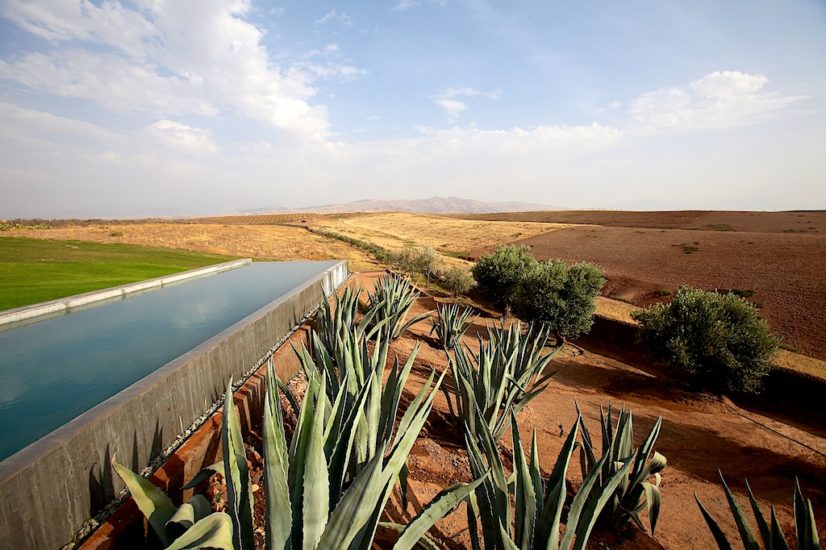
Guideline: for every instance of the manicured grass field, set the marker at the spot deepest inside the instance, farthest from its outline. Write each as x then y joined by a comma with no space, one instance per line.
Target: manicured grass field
35,270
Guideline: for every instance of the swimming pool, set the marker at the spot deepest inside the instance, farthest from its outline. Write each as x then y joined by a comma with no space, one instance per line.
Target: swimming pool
56,369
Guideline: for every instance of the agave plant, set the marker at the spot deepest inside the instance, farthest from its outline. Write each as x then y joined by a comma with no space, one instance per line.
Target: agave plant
450,324
505,375
311,500
336,320
770,533
636,490
535,520
391,302
193,525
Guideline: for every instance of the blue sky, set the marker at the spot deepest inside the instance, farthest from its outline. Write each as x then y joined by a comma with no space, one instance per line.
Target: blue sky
185,107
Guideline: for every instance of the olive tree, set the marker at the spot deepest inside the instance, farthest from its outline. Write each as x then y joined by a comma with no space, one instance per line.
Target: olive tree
561,296
500,274
717,338
457,280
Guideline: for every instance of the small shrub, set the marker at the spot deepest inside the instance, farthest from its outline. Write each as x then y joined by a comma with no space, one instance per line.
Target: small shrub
426,262
718,339
457,280
500,274
413,259
562,297
662,292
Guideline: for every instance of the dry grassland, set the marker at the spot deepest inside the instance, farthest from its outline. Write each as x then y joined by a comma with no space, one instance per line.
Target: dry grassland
448,236
261,242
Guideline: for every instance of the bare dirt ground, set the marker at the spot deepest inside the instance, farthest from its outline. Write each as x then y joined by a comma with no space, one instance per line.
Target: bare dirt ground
769,445
784,271
261,242
813,222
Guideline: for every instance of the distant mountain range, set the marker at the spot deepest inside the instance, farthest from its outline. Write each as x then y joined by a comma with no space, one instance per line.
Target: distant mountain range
432,205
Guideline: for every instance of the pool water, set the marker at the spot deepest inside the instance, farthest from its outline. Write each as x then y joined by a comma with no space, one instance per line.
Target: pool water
53,370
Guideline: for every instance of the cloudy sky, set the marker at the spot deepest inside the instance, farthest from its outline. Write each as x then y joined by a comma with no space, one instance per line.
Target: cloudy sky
165,107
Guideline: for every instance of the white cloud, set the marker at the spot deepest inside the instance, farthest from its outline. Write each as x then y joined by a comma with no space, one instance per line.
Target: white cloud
404,5
165,58
109,23
718,100
343,18
176,134
466,91
452,107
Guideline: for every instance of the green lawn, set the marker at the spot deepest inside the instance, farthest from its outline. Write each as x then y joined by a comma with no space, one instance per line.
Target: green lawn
35,270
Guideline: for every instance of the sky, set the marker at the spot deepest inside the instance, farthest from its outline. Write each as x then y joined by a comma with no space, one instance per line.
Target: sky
189,107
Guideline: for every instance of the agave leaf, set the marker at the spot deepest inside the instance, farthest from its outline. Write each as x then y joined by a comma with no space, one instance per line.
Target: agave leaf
716,532
653,498
595,506
151,500
316,484
425,543
778,538
507,542
439,507
765,532
556,491
525,508
355,509
204,474
214,531
277,493
187,515
236,473
746,534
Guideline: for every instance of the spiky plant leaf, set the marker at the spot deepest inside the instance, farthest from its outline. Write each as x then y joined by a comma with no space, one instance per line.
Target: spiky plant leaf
277,493
151,500
236,474
187,515
214,531
714,527
743,527
440,506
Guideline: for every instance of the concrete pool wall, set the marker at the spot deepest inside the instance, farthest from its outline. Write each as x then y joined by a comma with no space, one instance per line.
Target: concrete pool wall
52,486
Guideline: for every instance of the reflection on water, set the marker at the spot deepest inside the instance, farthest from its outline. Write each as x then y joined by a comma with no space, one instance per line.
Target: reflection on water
56,369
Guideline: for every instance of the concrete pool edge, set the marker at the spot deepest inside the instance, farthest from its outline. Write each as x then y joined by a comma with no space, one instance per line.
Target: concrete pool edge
69,303
64,478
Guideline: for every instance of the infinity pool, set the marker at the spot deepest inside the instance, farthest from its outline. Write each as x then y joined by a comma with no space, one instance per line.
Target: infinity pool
53,370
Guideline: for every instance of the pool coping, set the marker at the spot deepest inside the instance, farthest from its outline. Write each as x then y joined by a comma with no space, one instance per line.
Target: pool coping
55,466
71,303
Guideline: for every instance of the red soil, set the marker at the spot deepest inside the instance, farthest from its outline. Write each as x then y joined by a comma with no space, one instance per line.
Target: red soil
767,222
785,271
700,434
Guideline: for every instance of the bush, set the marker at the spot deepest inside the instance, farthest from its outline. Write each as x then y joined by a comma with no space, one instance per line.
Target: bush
413,259
562,297
718,339
426,262
500,274
457,280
